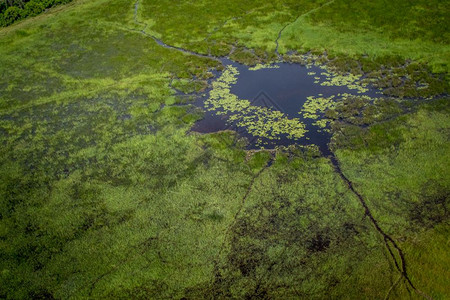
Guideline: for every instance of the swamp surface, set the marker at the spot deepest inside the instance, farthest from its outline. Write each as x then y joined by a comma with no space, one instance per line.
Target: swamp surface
120,180
283,87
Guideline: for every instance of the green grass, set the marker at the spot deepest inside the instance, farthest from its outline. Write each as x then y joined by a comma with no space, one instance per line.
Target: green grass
401,169
409,30
106,193
400,163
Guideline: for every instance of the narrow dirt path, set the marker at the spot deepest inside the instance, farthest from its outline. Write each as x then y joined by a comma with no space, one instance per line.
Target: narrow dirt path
388,240
160,42
296,19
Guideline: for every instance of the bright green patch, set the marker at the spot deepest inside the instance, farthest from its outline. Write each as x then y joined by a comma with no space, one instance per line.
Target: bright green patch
106,193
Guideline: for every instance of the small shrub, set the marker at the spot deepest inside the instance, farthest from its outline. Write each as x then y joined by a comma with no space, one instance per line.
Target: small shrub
20,11
33,8
12,14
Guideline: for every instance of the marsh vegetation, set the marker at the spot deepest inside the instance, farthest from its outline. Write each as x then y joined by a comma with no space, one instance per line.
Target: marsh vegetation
107,190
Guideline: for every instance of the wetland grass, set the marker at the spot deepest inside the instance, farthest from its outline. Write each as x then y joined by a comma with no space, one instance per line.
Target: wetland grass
105,192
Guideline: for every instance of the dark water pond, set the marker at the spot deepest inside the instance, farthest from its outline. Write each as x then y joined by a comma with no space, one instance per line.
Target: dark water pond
286,89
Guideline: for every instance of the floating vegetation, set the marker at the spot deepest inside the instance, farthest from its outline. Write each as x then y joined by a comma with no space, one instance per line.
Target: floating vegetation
267,106
350,80
347,95
317,105
261,122
330,78
322,123
263,66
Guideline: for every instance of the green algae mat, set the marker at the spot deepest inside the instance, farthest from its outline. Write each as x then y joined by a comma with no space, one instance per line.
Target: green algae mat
107,191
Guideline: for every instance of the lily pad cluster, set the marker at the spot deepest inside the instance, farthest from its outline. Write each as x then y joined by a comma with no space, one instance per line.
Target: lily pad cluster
315,107
261,122
263,66
351,81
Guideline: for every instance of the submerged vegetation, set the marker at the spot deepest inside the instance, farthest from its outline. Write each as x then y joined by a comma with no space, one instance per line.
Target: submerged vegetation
105,192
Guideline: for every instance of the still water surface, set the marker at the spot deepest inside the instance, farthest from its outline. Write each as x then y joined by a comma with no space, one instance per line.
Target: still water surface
286,89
